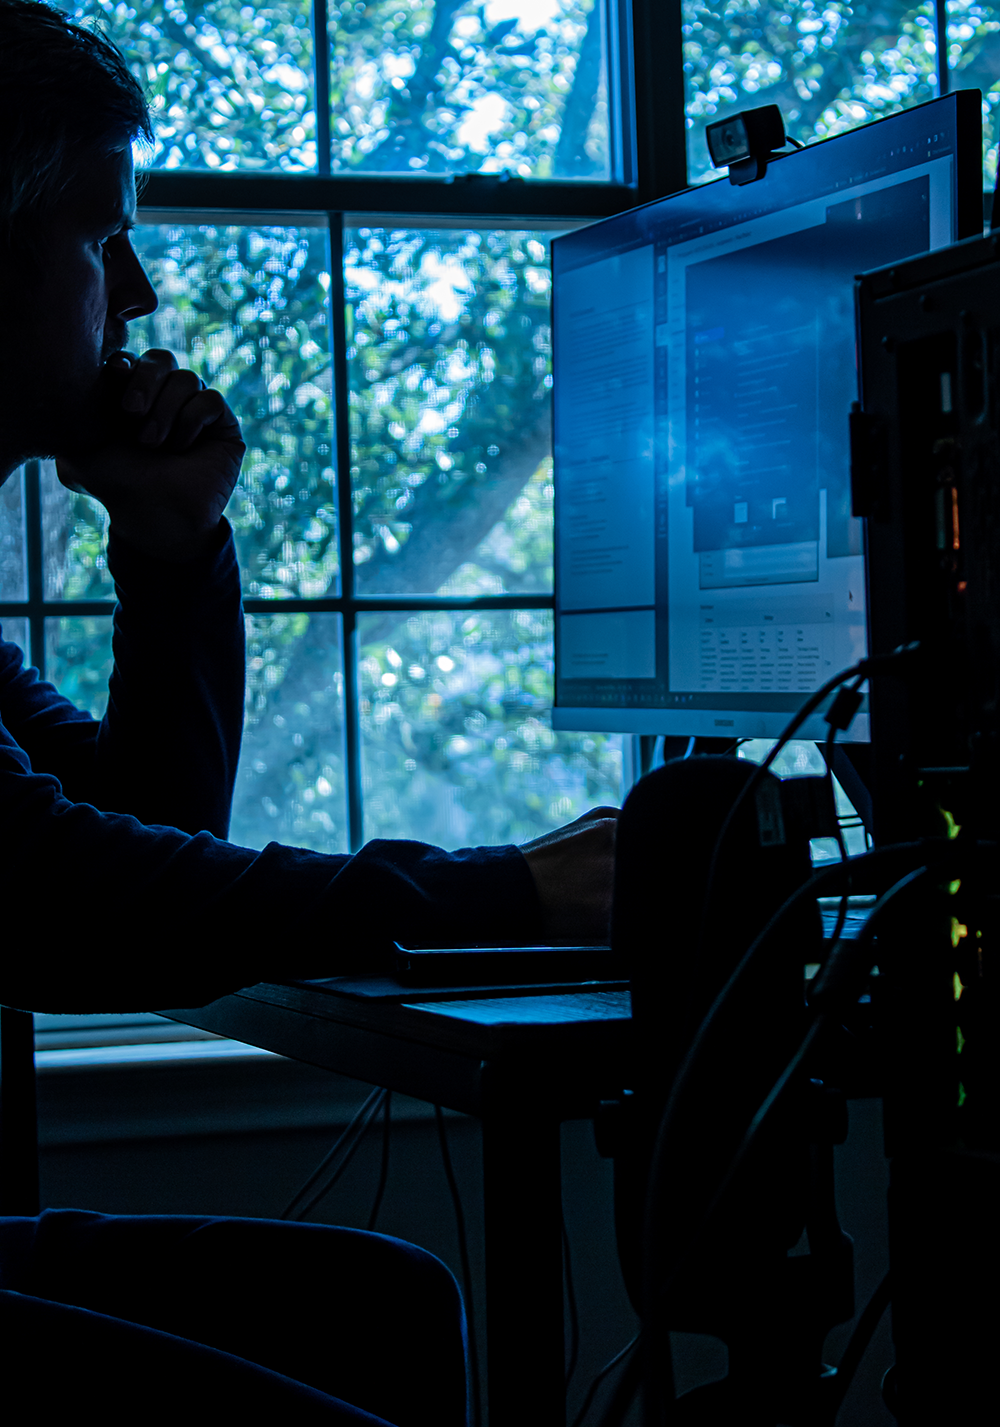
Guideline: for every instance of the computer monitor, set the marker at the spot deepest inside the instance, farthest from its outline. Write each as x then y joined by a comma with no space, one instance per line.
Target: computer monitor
709,574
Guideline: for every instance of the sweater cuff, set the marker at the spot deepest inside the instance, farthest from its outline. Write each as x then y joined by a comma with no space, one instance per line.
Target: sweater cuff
131,569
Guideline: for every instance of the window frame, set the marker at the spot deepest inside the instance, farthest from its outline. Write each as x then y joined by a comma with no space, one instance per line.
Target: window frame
644,165
648,160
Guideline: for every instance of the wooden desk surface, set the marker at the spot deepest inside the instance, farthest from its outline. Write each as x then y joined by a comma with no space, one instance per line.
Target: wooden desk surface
473,1049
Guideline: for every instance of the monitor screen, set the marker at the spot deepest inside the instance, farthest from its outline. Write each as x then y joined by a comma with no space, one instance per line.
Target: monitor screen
709,573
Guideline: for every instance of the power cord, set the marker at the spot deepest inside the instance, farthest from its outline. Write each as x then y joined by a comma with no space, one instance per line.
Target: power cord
864,1330
839,985
608,1367
574,1316
840,714
463,1254
383,1174
344,1148
845,896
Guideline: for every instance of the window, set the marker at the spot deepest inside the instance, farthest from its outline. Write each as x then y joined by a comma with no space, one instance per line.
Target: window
347,217
831,66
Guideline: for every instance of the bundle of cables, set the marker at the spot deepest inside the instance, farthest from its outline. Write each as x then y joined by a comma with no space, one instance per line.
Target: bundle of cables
906,871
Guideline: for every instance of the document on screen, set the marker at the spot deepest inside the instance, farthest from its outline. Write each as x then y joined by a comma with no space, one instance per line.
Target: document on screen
605,435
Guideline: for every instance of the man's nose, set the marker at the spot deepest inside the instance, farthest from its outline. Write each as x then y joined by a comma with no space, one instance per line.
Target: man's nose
133,295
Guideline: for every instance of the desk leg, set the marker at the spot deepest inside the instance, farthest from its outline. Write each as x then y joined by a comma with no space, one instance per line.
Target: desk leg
18,1117
524,1273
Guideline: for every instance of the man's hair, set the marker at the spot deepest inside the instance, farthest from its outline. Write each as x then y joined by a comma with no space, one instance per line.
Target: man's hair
64,91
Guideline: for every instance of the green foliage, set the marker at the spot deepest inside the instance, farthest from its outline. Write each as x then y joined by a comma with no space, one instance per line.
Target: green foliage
829,66
230,85
443,86
13,565
449,376
74,541
974,59
458,747
458,86
290,786
246,308
78,659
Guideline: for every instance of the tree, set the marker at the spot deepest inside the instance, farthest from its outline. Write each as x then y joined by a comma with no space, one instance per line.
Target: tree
829,66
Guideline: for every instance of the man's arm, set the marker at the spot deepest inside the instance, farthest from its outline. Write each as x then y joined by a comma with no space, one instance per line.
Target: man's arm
139,917
164,465
167,458
168,747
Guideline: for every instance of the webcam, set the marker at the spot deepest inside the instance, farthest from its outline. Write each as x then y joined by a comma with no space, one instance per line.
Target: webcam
745,142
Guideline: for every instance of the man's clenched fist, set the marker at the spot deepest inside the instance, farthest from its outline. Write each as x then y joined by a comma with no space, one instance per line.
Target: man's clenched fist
167,458
574,869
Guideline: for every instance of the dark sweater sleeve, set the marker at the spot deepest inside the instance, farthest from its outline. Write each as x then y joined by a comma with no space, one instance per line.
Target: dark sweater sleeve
167,749
132,917
136,902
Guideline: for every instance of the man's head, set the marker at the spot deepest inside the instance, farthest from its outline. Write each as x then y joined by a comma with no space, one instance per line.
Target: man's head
69,281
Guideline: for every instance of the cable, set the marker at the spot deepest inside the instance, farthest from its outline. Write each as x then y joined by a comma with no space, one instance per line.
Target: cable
359,1124
770,1102
628,1385
859,671
845,895
463,1254
657,1297
828,876
864,1329
844,958
574,1316
592,1389
383,1174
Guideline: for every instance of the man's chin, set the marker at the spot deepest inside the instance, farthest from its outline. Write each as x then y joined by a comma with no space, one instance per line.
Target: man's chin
88,423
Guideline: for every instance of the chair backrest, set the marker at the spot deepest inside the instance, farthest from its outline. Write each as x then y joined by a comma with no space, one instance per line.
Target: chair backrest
680,948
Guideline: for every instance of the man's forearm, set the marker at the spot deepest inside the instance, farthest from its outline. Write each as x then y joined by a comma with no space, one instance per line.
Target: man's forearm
169,747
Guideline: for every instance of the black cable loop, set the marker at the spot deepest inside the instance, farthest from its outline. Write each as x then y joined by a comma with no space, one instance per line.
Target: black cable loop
859,672
660,1296
608,1367
463,1254
864,1331
369,1109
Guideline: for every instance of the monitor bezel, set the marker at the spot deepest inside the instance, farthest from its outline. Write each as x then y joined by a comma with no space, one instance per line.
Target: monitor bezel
582,245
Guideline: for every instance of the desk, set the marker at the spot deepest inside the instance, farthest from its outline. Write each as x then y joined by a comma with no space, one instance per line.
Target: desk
522,1061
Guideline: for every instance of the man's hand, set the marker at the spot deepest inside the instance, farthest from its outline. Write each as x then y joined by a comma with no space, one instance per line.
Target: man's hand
573,869
168,458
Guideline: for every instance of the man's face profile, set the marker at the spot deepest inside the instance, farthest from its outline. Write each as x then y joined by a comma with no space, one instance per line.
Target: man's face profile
64,310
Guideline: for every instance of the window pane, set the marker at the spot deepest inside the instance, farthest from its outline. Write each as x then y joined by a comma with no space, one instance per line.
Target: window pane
829,66
457,744
246,308
15,630
78,660
74,542
974,59
13,560
457,86
449,368
291,785
230,85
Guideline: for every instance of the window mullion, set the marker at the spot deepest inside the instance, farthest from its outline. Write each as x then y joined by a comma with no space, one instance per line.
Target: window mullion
321,79
658,59
342,438
941,38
